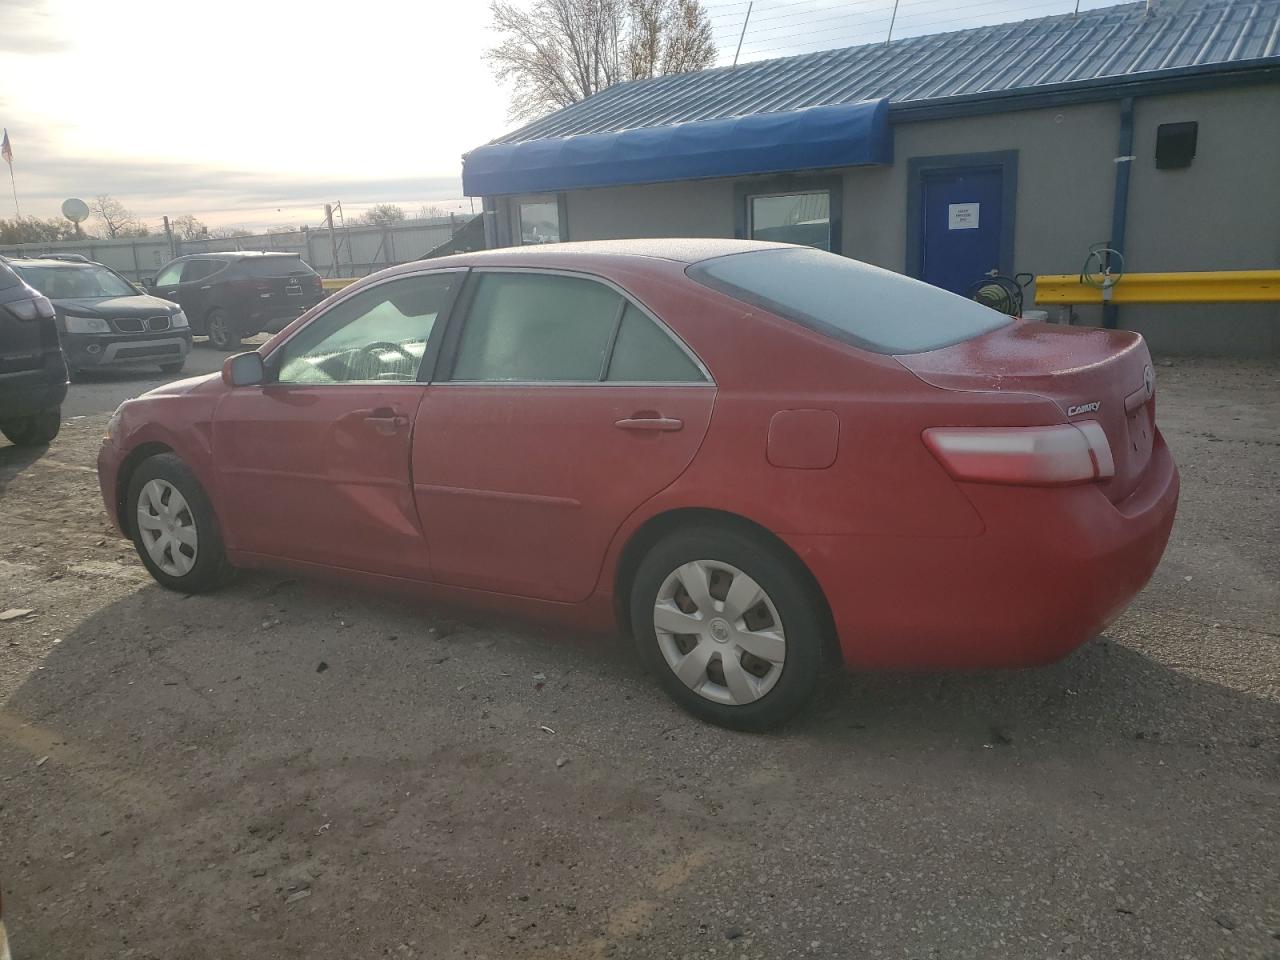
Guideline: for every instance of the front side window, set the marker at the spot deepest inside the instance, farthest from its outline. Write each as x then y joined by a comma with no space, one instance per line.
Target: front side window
194,270
800,218
376,336
874,309
539,221
536,327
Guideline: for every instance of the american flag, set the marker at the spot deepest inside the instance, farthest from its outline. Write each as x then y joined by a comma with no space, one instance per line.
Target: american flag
6,151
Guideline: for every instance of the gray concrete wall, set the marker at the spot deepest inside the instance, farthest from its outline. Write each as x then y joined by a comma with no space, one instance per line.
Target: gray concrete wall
1221,213
699,208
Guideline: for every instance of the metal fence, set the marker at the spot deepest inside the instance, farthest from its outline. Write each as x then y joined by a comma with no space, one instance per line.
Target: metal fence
361,249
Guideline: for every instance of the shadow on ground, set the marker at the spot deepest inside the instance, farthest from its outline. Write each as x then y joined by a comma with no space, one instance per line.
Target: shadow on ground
303,770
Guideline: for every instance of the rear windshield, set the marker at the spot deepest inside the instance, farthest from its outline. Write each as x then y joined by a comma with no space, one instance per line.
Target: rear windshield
274,266
874,309
72,282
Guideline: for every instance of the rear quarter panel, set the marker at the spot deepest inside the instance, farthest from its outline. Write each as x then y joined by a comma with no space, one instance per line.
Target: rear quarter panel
883,481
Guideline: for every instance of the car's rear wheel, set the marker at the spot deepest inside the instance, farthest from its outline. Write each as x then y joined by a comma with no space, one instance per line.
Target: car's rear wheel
36,430
222,334
174,527
730,625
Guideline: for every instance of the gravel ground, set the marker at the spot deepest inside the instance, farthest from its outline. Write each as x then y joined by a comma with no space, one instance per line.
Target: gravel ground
289,770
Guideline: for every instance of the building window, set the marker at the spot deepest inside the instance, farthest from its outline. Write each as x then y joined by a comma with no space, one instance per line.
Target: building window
801,218
1175,145
538,221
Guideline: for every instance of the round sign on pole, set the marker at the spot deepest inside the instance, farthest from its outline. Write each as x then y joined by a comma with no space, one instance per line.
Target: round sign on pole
75,210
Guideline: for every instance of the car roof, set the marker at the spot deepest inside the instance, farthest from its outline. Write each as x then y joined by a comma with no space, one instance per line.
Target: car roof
45,262
236,255
675,249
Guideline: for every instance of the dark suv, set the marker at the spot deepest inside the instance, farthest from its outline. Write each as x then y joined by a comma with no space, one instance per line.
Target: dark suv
33,375
103,319
229,296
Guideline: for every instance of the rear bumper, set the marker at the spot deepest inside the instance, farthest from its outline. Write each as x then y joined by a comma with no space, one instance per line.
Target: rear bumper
31,391
276,318
89,350
1051,570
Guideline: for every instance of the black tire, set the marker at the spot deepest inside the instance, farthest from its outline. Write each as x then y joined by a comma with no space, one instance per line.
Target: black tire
211,569
37,430
222,333
798,605
168,369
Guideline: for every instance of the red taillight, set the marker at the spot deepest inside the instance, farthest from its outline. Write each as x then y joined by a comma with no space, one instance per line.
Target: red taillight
1036,456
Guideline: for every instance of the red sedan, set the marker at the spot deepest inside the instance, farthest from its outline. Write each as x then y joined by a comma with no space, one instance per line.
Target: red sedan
763,461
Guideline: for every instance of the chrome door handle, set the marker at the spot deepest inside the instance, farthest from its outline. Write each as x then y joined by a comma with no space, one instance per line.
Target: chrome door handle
387,421
664,424
207,286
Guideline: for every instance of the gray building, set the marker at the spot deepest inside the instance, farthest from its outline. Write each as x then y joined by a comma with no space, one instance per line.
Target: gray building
1155,130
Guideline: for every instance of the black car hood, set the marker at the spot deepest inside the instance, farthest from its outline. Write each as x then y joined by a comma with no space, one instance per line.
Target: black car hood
107,307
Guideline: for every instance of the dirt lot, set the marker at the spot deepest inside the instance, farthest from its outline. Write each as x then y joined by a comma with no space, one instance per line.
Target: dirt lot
286,770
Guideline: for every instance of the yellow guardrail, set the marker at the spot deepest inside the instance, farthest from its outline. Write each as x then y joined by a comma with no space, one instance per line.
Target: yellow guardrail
1211,286
331,284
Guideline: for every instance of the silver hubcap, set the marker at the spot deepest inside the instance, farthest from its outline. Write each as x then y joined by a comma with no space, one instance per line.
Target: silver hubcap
719,632
167,528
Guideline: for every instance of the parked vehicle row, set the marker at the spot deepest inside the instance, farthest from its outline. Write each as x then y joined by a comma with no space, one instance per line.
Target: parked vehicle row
763,462
63,314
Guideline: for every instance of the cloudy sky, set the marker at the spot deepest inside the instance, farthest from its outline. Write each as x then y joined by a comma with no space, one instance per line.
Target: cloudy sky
257,112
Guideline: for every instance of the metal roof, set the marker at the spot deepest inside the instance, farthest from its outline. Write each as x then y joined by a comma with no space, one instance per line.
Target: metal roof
1110,44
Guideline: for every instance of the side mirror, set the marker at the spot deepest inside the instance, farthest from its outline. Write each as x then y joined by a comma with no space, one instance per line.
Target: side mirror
244,370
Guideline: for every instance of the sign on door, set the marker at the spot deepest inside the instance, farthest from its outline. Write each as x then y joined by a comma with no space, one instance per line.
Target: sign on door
962,216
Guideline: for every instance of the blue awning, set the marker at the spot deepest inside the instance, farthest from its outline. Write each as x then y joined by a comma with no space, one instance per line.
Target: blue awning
839,135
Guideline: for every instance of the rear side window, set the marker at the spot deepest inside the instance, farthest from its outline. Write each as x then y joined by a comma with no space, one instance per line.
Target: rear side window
531,327
866,306
274,267
644,353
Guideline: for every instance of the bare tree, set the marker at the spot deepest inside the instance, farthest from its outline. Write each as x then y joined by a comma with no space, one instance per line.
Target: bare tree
35,230
432,211
115,218
558,52
382,213
689,44
188,227
228,232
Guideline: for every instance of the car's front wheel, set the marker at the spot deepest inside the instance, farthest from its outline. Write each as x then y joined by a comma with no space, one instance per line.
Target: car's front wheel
37,430
174,527
731,627
222,334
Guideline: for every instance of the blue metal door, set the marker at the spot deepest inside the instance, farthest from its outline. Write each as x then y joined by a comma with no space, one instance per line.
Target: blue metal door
962,224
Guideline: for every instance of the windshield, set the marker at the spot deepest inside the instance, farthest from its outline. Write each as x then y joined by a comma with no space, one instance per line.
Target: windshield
274,266
874,309
71,283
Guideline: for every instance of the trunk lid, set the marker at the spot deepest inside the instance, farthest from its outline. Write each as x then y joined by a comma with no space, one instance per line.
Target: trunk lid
1088,373
283,281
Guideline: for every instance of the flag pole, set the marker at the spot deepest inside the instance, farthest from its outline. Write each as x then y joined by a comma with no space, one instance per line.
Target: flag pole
13,183
6,150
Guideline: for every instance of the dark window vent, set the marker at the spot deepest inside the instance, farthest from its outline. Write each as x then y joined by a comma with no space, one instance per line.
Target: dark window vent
1175,145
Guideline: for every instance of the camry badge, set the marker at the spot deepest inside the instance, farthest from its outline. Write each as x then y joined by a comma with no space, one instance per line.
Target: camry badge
1083,408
